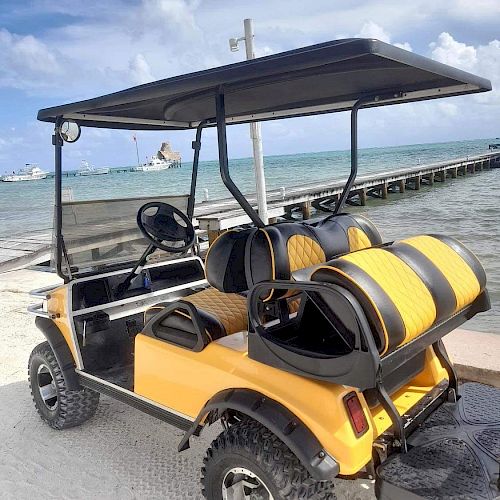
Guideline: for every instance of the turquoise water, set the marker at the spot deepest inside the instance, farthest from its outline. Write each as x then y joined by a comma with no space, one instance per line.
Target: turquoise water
466,208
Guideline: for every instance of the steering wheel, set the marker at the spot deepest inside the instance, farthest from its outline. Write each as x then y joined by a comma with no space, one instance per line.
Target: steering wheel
162,226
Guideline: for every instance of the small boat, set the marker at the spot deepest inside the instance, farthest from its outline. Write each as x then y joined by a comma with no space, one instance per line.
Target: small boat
87,169
155,164
31,172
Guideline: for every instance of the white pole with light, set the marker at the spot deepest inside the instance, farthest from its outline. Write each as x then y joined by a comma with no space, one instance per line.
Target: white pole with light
255,132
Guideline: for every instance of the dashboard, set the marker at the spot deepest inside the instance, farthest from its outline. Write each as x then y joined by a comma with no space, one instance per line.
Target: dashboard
102,291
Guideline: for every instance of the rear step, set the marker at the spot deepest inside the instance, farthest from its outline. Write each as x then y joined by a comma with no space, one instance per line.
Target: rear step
454,454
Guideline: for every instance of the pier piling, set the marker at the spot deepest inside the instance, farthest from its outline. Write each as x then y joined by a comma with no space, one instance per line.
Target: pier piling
362,196
306,210
384,191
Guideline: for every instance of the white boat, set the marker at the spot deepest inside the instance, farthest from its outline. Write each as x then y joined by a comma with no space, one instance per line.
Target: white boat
31,172
154,165
87,169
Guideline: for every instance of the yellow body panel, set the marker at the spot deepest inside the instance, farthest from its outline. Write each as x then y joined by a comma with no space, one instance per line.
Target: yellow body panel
184,381
57,305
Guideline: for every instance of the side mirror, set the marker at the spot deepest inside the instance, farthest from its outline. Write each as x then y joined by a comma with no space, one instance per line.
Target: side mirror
70,131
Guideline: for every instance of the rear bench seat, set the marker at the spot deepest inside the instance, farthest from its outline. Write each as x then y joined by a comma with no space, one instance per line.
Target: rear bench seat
409,287
369,315
240,258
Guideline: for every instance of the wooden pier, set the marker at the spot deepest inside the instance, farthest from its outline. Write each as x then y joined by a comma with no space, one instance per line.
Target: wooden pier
214,217
282,202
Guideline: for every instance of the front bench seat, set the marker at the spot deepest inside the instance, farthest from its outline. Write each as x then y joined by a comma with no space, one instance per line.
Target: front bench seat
240,258
220,313
221,308
408,287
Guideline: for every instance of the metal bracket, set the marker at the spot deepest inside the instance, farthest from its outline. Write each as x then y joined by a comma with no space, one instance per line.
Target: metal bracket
442,355
399,440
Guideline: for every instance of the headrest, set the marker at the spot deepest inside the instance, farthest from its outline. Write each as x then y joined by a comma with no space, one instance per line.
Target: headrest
238,259
275,251
225,261
346,233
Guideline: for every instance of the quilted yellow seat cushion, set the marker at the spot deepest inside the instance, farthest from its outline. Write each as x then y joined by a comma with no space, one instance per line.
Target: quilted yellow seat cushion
358,239
303,252
408,287
229,308
402,285
461,277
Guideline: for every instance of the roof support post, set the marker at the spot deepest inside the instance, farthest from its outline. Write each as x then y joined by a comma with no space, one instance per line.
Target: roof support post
224,164
58,144
354,151
196,144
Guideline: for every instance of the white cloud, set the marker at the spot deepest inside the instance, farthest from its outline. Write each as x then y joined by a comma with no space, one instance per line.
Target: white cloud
140,70
373,30
25,61
263,51
447,50
478,9
483,60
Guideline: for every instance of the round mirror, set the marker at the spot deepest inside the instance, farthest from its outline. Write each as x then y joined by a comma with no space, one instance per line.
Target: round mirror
69,131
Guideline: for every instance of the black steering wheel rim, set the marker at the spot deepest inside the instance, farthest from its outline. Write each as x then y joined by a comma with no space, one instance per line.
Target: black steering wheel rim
162,226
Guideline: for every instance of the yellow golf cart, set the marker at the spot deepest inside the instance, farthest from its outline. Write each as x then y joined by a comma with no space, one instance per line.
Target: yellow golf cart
316,344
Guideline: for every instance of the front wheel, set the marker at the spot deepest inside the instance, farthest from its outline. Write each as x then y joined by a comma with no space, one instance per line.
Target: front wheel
56,405
247,461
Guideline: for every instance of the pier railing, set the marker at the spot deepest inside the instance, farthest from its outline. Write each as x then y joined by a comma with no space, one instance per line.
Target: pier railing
218,216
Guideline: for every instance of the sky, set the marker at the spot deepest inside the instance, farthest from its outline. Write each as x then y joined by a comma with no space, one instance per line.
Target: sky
54,52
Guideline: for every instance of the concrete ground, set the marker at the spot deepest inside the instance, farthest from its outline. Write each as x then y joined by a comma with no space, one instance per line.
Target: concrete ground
120,453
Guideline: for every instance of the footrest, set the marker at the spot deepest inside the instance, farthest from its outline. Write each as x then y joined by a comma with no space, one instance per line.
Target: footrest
454,454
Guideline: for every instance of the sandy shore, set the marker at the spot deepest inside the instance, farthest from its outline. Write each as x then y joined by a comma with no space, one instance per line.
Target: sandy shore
120,453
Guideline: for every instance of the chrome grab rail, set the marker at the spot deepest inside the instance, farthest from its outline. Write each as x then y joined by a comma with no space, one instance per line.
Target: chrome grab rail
43,292
37,310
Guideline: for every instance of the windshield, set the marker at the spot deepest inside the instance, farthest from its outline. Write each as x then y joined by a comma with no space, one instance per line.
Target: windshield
102,234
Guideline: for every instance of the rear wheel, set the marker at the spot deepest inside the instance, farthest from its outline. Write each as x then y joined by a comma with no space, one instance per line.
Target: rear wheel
248,462
58,407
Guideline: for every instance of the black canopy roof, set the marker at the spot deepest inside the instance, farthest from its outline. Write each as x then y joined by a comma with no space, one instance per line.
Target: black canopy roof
321,78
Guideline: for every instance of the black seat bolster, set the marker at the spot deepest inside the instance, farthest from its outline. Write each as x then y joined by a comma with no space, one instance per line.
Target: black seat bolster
152,311
182,322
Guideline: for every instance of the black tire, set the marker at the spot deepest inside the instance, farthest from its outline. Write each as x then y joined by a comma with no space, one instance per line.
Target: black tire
249,445
61,408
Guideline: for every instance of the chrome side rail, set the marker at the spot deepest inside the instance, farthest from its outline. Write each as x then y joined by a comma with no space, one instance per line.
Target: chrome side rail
37,310
44,291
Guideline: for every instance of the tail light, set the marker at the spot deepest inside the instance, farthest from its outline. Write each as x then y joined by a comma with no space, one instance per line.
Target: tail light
356,414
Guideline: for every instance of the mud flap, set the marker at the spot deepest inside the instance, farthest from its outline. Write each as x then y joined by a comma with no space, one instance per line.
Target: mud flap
454,454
